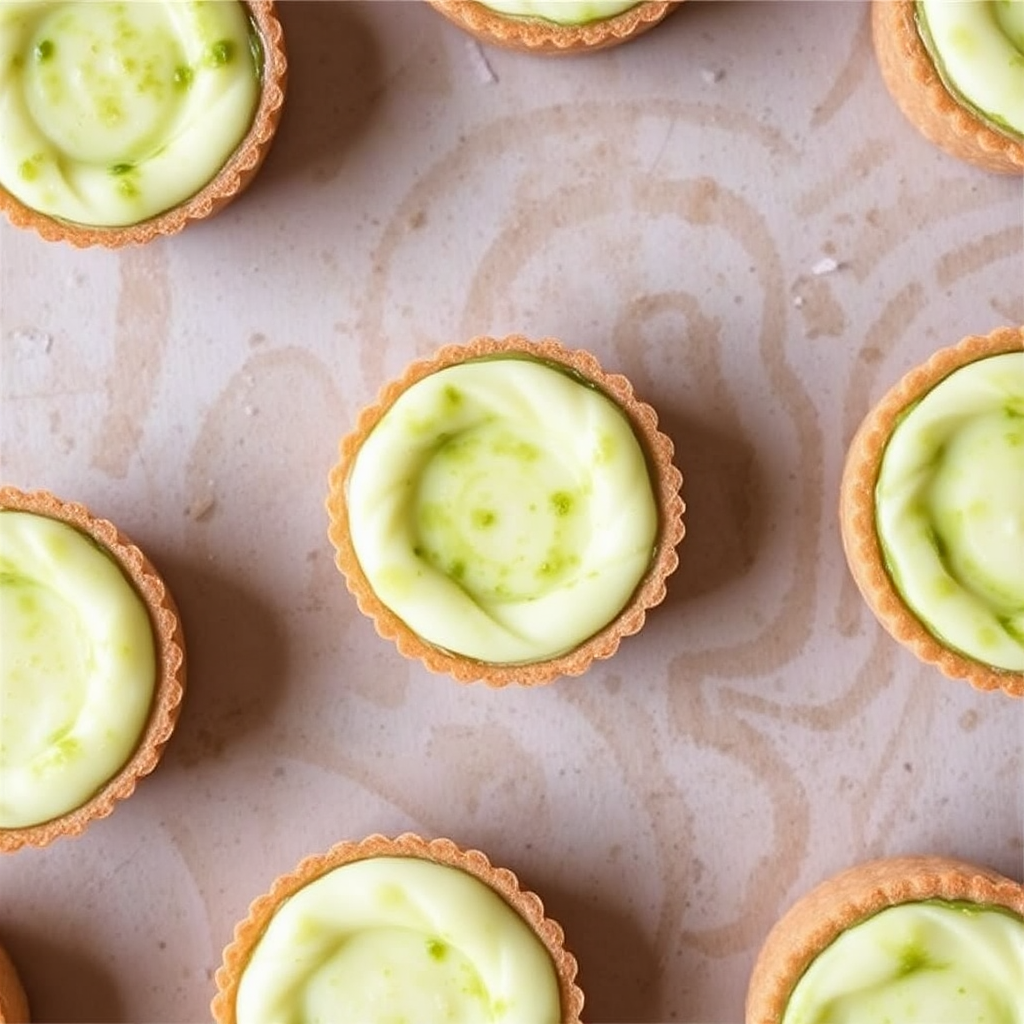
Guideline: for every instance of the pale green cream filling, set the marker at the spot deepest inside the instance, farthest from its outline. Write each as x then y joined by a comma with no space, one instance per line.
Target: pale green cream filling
77,669
562,12
978,49
395,940
111,113
503,510
950,510
918,963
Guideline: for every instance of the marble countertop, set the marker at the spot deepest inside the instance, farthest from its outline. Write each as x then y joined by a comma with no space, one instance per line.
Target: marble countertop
730,211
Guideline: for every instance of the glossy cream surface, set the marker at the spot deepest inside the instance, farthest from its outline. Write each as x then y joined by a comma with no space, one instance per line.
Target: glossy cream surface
395,940
978,48
562,12
950,509
111,113
77,668
918,963
503,509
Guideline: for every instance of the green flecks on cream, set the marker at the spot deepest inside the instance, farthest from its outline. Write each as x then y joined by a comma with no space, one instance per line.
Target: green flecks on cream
77,669
950,510
932,962
978,50
448,951
562,12
482,516
158,86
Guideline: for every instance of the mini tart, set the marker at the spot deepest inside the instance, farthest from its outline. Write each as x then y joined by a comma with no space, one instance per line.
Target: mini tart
664,478
169,685
13,1001
857,513
230,181
849,898
444,852
913,81
537,35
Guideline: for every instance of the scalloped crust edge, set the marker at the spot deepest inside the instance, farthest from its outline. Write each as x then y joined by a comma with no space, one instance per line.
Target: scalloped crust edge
441,851
230,182
913,82
857,518
13,1001
666,479
852,896
535,35
171,670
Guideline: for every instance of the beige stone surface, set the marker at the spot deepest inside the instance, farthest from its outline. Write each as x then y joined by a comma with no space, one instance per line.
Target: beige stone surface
730,211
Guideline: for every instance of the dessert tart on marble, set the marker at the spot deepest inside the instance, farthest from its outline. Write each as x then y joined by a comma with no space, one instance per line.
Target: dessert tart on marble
397,929
93,669
956,70
125,122
555,26
506,511
932,510
913,940
13,1001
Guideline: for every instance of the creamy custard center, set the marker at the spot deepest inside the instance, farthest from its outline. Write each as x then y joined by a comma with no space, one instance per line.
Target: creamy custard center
503,509
562,12
501,513
395,939
918,963
950,509
978,49
77,669
111,113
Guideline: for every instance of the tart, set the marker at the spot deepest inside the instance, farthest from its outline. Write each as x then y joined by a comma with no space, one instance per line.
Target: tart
914,940
932,510
506,511
956,70
93,668
555,26
125,122
13,1002
397,929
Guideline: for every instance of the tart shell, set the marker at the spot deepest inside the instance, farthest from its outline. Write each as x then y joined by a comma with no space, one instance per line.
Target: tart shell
169,688
666,481
441,851
845,900
229,183
914,83
536,35
13,1001
857,513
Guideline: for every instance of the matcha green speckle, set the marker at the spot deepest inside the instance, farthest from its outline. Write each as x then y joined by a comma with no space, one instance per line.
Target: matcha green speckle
44,51
562,503
452,395
183,76
457,570
119,169
437,949
913,958
29,169
482,518
220,53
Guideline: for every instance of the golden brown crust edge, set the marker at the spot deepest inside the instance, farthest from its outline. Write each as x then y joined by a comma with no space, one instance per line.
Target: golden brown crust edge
857,516
535,35
230,182
171,670
441,851
13,1001
666,480
846,899
912,80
